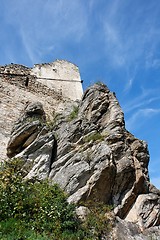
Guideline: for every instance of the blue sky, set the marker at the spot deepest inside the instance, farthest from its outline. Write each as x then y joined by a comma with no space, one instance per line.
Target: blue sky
113,41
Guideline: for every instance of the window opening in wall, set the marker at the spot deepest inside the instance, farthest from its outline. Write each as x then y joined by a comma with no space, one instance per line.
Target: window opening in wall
55,70
27,81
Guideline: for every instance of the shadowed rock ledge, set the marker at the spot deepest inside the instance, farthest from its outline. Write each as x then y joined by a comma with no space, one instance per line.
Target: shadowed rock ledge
90,155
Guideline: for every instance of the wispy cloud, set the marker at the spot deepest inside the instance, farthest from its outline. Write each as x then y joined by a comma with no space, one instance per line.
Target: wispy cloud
129,84
118,26
140,117
131,31
147,96
130,77
46,26
152,61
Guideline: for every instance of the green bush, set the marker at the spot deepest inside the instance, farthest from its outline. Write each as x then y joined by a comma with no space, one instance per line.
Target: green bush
97,224
74,113
14,229
99,83
94,137
38,207
37,210
52,123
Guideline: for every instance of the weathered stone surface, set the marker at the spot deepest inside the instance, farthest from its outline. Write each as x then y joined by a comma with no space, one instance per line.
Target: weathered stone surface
82,213
145,211
14,98
20,138
39,156
95,157
26,128
31,141
96,154
131,231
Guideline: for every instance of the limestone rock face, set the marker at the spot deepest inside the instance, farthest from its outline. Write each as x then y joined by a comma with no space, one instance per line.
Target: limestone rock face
31,141
26,128
130,231
91,156
145,211
97,157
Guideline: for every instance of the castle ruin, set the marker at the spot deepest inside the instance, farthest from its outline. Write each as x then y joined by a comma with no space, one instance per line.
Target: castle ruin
60,78
56,85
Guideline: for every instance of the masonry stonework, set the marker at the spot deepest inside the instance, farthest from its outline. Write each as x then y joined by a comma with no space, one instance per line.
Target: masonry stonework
56,85
60,78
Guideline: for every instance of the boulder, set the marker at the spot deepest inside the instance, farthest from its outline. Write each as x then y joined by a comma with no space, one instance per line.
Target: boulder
26,128
31,141
145,211
123,229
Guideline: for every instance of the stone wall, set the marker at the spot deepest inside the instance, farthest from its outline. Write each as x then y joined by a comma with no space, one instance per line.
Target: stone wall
60,78
20,85
29,83
16,74
15,69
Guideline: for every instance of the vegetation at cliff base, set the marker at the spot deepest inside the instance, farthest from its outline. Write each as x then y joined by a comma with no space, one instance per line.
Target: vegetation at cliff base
37,210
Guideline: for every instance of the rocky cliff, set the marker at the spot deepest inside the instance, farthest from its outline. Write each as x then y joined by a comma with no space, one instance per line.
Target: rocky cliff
91,155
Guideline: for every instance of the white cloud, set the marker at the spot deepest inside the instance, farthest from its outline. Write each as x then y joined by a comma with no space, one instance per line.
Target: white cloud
129,84
146,97
138,118
151,60
47,25
28,47
131,75
130,32
114,45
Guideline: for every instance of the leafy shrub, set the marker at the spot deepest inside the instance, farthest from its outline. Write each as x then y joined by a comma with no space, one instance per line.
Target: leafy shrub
38,206
94,137
74,113
14,229
97,222
52,123
39,211
99,83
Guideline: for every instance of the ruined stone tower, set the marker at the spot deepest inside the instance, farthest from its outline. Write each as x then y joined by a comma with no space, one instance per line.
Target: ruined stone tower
62,76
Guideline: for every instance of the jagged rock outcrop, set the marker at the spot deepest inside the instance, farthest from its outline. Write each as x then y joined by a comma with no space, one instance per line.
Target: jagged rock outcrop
31,141
26,129
91,156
